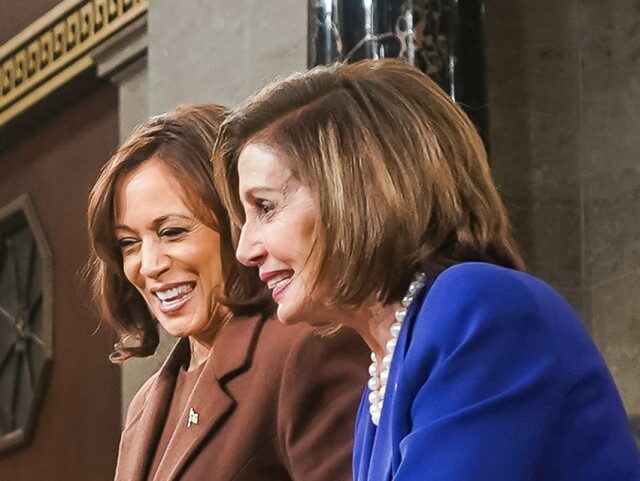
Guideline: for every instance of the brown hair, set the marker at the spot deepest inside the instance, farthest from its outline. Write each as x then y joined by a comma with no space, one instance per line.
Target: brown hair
400,173
183,140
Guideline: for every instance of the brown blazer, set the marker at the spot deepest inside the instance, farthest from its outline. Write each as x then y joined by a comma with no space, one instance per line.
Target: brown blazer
273,403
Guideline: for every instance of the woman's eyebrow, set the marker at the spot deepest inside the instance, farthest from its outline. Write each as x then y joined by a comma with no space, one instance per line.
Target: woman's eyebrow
254,192
121,227
162,219
155,222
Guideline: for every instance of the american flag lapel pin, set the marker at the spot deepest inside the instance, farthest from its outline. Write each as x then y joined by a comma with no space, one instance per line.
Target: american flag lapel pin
193,418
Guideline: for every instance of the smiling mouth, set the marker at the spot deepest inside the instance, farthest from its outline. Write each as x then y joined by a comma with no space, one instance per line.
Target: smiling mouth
279,281
174,298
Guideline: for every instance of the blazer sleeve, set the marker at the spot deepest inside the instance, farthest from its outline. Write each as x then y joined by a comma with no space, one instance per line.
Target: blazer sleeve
485,382
322,383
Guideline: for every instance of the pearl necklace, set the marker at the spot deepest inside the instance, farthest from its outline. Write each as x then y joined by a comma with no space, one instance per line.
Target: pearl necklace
378,380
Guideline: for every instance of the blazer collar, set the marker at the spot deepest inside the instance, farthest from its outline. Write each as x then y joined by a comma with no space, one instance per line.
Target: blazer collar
231,355
234,346
140,435
379,446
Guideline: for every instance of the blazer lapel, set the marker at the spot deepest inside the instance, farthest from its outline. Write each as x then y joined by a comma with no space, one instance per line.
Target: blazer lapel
394,424
365,436
140,436
210,405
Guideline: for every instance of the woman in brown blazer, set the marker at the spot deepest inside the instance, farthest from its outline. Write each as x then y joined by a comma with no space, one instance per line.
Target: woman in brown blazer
240,397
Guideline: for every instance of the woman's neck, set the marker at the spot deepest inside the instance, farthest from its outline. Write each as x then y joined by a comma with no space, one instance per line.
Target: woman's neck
200,351
372,322
201,344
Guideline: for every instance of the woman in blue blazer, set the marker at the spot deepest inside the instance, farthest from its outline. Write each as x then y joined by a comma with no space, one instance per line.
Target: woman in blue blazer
494,378
366,200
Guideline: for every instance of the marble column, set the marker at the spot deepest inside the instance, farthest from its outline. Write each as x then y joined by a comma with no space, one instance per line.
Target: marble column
444,38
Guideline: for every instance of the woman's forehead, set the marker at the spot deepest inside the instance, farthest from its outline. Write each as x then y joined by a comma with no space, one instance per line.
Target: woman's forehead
172,180
260,166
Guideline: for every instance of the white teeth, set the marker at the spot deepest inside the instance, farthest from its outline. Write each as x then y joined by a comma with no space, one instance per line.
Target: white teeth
276,281
174,292
172,304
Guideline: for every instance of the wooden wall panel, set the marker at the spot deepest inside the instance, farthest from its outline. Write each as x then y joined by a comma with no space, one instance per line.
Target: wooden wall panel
79,424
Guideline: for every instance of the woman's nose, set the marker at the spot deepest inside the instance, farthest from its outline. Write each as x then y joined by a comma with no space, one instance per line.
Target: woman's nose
250,251
153,260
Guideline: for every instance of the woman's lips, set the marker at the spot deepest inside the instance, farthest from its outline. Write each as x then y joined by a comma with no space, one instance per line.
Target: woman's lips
172,306
279,289
277,281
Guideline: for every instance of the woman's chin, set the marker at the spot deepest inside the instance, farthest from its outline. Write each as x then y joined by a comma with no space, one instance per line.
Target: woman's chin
175,332
287,321
287,317
176,327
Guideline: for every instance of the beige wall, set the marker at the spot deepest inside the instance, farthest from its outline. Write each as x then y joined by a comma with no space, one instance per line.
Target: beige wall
564,104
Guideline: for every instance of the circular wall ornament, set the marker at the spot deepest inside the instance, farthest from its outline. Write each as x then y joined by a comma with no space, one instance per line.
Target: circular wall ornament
25,321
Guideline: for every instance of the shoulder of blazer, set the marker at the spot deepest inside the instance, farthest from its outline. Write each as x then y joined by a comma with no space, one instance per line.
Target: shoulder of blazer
322,378
301,347
136,406
175,358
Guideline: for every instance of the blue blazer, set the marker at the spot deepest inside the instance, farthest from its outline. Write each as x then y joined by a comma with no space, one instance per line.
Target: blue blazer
494,378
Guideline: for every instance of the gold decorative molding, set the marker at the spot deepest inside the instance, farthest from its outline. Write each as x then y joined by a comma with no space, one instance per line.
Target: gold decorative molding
55,49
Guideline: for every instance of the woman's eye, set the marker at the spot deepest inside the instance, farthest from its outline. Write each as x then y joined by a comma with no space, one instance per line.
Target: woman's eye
126,242
264,206
172,232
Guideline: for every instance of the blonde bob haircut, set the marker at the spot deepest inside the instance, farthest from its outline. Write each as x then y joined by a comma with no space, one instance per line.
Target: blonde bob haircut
398,169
